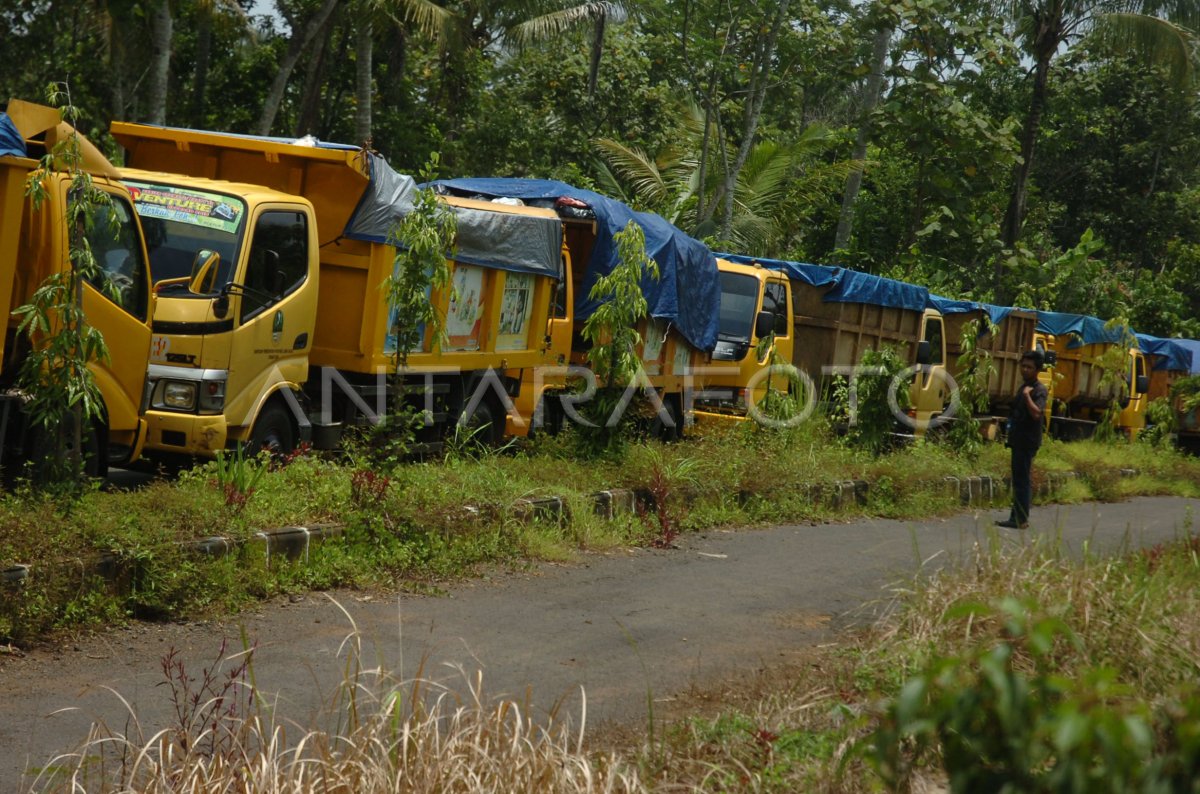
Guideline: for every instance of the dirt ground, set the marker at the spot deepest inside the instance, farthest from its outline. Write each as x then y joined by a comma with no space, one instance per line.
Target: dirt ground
620,627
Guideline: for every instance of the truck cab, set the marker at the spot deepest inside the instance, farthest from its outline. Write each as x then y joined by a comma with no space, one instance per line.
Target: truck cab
1132,419
756,304
235,271
34,244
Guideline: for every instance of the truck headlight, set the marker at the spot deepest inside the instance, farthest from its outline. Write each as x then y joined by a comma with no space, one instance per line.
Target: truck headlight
179,394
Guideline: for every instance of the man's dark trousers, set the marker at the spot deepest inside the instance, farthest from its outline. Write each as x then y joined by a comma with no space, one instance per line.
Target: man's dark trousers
1022,481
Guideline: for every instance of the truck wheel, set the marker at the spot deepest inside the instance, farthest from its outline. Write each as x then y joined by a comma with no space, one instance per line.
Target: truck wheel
661,430
42,444
486,424
272,431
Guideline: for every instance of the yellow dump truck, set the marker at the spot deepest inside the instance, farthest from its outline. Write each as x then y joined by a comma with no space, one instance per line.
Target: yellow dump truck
1081,394
34,243
756,305
280,331
839,314
683,303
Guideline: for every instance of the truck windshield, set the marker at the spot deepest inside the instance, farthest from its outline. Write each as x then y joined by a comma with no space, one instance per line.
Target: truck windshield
739,299
179,221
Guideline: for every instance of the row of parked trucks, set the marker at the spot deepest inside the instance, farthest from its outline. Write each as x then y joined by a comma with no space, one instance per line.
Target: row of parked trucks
251,307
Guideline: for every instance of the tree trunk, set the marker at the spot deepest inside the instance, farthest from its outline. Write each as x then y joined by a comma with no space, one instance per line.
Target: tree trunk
308,119
296,48
160,63
597,51
1014,217
760,78
879,54
392,89
363,53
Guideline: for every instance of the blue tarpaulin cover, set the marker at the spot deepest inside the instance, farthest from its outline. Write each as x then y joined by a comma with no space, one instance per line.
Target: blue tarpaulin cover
814,275
1192,346
502,240
11,142
1085,330
959,306
688,291
849,286
1168,354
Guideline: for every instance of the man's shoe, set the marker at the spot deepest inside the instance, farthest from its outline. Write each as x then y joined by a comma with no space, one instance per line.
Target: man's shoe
1025,525
1010,524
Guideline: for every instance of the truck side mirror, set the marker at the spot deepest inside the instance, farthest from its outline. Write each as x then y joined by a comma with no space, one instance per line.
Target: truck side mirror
1051,358
203,279
924,352
1142,384
764,323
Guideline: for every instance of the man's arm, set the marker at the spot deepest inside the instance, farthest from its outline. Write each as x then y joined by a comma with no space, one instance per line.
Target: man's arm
1033,406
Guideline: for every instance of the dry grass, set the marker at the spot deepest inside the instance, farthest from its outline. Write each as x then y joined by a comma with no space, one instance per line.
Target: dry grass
385,736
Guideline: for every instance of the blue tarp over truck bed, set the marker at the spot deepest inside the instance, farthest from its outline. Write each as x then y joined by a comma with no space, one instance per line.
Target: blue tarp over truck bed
687,293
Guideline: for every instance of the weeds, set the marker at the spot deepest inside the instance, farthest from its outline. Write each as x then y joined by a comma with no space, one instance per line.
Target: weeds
237,475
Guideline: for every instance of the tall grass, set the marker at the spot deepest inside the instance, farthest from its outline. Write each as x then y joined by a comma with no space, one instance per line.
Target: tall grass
1131,622
381,736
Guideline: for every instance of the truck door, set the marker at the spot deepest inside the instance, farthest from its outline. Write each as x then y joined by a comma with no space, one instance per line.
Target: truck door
275,313
116,302
1133,416
777,300
929,385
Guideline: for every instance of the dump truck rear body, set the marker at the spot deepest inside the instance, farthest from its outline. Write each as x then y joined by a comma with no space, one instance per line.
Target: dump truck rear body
682,303
1083,389
34,243
1004,342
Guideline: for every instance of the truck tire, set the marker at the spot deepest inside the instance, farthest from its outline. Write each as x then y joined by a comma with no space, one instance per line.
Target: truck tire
272,431
660,429
41,444
485,425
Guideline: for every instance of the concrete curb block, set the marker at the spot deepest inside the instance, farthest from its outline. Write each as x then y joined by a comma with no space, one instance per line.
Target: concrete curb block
295,542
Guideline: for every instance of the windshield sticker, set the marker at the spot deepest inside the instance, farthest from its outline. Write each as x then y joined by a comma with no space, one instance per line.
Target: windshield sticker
197,207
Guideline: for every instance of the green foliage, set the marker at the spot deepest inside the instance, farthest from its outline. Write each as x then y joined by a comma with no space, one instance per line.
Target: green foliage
64,399
975,368
613,335
1160,423
424,240
238,475
1006,717
863,401
1185,393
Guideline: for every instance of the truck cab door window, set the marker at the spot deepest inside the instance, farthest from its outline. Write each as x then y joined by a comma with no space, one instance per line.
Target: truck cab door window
121,267
775,302
278,260
933,335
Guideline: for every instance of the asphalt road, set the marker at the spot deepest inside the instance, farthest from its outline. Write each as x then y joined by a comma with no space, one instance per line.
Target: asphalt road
618,625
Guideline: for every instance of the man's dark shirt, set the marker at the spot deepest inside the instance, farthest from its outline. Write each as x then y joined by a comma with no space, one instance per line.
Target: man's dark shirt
1024,430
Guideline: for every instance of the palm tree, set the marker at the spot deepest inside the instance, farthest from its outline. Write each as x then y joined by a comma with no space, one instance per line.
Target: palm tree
555,23
675,184
161,25
1044,27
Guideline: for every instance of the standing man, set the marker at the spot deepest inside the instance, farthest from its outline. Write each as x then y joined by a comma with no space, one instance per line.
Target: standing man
1024,437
